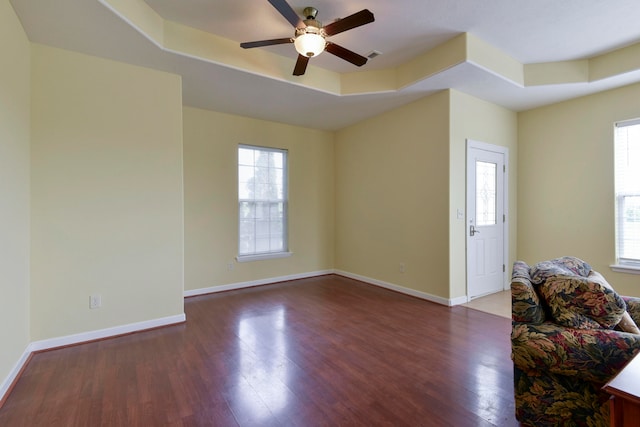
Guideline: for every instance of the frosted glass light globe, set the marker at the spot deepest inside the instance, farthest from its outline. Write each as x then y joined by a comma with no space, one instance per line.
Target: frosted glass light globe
309,44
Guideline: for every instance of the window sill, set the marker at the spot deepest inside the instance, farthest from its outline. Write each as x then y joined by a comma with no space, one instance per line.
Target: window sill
260,257
624,268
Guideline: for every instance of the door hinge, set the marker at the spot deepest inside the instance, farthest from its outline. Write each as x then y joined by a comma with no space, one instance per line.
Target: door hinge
504,218
503,268
504,168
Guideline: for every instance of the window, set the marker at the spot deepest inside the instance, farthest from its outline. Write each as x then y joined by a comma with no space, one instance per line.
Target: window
262,203
627,188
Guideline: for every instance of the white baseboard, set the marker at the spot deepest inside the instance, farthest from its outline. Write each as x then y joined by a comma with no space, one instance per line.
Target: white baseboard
403,290
459,300
380,283
80,338
13,374
260,282
105,333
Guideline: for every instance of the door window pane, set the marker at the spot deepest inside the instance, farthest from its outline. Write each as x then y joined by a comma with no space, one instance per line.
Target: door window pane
486,185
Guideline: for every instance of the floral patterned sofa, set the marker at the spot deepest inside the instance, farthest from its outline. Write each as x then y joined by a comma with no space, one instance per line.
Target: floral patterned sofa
561,361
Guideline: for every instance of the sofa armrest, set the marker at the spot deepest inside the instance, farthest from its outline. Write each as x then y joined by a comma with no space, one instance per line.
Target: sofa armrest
591,354
633,307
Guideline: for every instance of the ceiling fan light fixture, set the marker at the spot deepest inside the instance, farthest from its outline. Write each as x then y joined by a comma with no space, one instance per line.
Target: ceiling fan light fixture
309,43
310,36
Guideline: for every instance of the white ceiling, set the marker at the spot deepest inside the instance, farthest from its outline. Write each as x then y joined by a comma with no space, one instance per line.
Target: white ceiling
529,31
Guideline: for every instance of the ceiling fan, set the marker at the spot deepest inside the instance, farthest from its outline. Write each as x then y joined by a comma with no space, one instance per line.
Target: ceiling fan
310,37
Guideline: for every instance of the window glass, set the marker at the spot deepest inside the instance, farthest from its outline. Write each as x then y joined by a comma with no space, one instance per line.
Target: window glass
627,190
262,200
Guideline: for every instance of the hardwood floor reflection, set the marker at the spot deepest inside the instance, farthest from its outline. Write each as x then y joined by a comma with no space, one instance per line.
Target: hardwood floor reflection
324,351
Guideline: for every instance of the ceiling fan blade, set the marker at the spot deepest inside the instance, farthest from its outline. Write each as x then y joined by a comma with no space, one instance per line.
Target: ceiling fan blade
261,43
289,14
301,65
352,21
346,54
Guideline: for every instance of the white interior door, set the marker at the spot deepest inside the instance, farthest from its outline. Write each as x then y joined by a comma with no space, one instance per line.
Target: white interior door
485,219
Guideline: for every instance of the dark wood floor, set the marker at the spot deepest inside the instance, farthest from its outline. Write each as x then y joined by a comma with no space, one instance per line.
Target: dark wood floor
326,351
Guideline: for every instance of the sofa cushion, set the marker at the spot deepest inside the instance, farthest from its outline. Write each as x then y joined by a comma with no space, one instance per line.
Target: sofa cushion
564,266
582,302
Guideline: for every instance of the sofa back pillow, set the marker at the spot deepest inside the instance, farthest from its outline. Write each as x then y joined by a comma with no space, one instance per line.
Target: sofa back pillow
564,266
582,302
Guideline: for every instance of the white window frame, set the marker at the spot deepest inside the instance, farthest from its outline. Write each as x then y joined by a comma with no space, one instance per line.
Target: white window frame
269,254
622,265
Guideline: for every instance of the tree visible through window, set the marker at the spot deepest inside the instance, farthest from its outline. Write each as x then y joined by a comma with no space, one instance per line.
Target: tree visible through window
627,187
262,197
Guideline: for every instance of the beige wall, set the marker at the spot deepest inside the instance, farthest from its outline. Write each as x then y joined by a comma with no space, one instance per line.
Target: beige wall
211,196
106,194
472,118
392,202
14,190
401,178
565,183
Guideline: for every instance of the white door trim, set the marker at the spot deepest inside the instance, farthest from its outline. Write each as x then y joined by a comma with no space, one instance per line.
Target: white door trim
505,246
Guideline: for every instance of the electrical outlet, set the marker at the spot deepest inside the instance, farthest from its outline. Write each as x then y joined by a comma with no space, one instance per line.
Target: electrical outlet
403,267
230,266
95,301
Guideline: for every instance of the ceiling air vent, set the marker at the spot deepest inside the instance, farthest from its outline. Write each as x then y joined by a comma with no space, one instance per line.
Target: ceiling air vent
373,54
